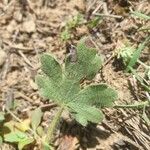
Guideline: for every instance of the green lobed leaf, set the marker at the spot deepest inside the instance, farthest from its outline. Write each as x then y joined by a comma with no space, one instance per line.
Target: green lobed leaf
60,93
99,95
84,113
36,118
25,142
47,87
16,136
87,65
80,118
51,68
66,90
94,68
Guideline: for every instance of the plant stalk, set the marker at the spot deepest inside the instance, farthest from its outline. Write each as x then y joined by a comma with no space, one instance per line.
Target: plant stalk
136,105
52,126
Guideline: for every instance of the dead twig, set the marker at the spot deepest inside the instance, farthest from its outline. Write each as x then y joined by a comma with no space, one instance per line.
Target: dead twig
91,5
18,47
48,105
24,97
108,15
44,106
97,8
25,59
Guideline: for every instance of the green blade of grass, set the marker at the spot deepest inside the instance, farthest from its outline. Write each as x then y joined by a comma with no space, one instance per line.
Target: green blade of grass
140,15
136,54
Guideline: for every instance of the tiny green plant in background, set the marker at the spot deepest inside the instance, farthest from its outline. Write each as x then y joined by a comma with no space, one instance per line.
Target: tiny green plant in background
71,24
22,133
94,22
77,21
130,57
62,84
14,135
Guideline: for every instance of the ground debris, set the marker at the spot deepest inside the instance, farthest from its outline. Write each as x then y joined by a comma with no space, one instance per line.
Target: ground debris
29,28
3,57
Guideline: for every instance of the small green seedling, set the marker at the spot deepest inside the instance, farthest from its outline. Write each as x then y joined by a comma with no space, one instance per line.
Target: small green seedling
75,21
19,132
62,84
93,23
71,24
130,57
14,135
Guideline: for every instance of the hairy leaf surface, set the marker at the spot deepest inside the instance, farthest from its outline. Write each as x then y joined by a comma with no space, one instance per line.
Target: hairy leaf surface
51,68
99,95
63,85
87,65
85,113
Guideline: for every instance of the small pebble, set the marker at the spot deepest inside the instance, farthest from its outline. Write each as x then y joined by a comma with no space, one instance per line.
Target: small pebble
80,4
29,26
18,16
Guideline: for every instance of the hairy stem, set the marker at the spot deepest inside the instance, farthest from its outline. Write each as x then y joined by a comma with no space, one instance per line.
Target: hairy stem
53,125
136,105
